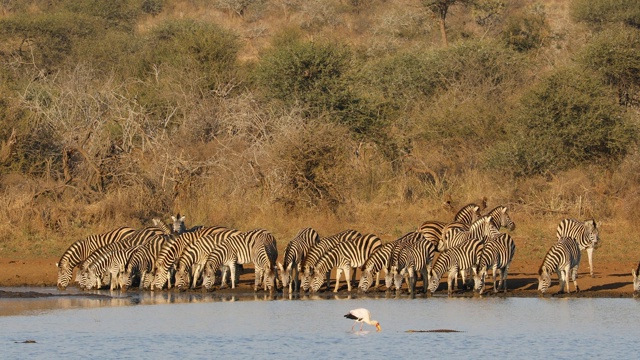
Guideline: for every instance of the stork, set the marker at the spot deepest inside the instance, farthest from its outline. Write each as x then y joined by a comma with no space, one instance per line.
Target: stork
362,316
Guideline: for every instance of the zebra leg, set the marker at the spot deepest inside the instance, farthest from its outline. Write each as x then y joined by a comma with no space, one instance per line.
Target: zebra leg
574,278
590,256
561,280
339,272
453,275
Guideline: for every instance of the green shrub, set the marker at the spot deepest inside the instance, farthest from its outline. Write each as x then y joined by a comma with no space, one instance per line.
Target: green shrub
120,14
601,12
615,53
526,30
568,119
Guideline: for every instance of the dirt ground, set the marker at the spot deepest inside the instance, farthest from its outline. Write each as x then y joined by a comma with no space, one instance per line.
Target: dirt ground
610,280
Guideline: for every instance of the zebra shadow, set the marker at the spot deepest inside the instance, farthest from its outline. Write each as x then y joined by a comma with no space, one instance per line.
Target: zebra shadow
611,286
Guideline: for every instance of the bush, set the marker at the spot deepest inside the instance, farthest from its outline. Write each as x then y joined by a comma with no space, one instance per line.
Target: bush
526,30
601,12
615,54
568,119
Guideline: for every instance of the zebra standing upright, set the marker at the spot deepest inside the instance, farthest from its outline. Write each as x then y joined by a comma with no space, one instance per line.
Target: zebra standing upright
345,256
294,255
563,258
77,252
454,260
435,230
497,253
636,280
416,258
316,252
501,219
584,232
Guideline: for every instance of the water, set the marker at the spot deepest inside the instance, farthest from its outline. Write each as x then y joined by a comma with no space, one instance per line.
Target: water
196,326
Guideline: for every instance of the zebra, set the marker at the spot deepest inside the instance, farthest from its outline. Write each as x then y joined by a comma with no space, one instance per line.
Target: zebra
454,260
171,252
636,280
584,232
136,238
435,230
265,255
483,229
392,268
497,253
501,219
416,258
345,256
236,249
563,258
316,252
141,263
373,265
191,262
294,254
77,252
106,269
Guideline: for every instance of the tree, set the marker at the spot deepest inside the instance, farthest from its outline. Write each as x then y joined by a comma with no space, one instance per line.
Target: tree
440,8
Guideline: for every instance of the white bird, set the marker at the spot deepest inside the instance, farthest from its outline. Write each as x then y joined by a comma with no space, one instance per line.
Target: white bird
362,316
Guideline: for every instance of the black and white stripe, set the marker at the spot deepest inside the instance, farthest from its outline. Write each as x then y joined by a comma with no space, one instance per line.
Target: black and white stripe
501,219
497,254
374,265
141,263
454,260
585,233
417,258
77,252
294,255
318,250
265,255
563,258
481,229
345,257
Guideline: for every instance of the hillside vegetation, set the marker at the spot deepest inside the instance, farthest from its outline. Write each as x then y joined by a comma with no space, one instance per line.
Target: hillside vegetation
375,115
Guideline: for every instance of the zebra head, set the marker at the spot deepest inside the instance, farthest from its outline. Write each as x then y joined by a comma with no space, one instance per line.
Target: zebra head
366,279
479,276
591,230
316,282
183,279
388,278
125,279
544,280
64,275
397,278
434,281
285,274
305,281
178,226
636,280
269,278
208,277
146,279
160,278
505,219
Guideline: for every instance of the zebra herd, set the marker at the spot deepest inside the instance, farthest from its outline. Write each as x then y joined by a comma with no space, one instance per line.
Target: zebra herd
162,256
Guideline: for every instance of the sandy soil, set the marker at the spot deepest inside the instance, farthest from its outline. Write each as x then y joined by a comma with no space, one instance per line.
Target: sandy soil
610,280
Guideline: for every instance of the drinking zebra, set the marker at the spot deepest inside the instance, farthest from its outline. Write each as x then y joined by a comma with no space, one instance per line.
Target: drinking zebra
316,252
77,252
141,263
373,265
563,258
138,237
636,280
392,266
191,261
236,249
497,253
106,269
294,255
345,256
417,258
584,232
454,260
171,252
265,255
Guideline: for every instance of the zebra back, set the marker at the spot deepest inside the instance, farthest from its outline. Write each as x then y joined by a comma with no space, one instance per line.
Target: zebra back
81,249
482,229
432,230
584,232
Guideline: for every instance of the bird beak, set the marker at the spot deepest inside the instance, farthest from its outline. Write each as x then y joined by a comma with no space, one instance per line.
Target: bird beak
378,327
